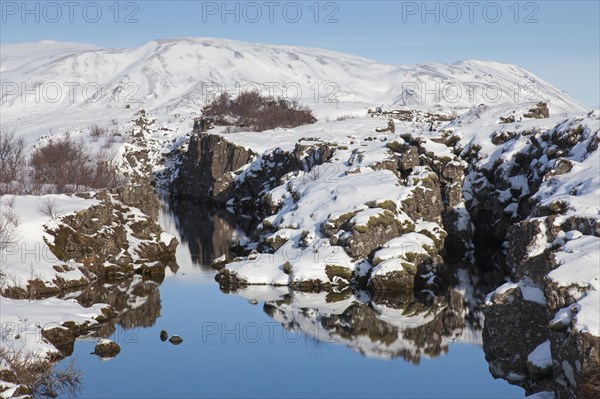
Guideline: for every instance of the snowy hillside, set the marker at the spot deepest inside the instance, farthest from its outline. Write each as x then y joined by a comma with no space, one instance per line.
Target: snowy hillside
42,82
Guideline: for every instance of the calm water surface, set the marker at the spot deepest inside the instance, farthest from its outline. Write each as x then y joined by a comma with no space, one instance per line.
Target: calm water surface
266,342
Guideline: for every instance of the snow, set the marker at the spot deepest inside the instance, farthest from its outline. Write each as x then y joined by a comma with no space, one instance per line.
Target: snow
541,355
22,321
533,294
265,269
528,290
563,317
588,316
306,264
538,245
400,246
166,238
29,257
578,263
341,194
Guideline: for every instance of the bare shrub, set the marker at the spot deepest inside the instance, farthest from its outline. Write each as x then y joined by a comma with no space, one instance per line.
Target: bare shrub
60,163
340,118
9,222
40,375
50,208
96,132
13,162
103,173
256,112
113,137
66,166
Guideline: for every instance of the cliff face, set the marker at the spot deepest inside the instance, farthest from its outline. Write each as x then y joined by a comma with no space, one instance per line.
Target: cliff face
206,172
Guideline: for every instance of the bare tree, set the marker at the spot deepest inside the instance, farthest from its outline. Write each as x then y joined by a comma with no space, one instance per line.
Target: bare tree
96,132
13,162
9,222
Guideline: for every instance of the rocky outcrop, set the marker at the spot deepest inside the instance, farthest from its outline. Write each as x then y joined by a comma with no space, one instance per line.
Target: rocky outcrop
206,172
513,328
63,337
111,240
540,111
511,203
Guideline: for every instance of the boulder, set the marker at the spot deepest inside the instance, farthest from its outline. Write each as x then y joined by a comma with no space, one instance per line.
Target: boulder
107,349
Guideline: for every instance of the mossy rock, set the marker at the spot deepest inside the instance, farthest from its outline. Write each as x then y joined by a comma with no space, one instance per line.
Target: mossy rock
405,226
386,204
333,271
386,218
396,146
287,268
107,349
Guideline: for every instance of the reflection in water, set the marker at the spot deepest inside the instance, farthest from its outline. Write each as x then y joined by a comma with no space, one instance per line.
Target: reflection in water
378,325
209,233
135,300
374,325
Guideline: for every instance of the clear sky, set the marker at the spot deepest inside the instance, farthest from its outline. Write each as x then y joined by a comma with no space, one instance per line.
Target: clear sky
557,40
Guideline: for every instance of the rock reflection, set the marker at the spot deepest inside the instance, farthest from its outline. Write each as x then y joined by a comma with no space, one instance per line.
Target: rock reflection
379,325
209,233
136,302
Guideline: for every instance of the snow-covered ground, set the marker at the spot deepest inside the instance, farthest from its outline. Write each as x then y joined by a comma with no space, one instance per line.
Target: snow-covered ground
23,321
28,257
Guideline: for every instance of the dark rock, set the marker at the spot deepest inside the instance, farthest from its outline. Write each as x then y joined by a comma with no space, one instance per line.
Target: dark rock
513,328
62,338
540,111
522,241
175,340
365,239
107,349
163,335
205,173
408,158
396,281
502,137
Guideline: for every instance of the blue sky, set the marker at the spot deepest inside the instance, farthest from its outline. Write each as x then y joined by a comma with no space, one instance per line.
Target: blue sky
557,40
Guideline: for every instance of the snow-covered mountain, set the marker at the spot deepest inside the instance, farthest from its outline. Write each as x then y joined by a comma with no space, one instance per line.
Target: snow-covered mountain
176,76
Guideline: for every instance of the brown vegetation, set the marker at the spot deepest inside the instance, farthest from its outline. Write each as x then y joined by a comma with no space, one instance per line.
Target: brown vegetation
255,112
61,165
38,376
